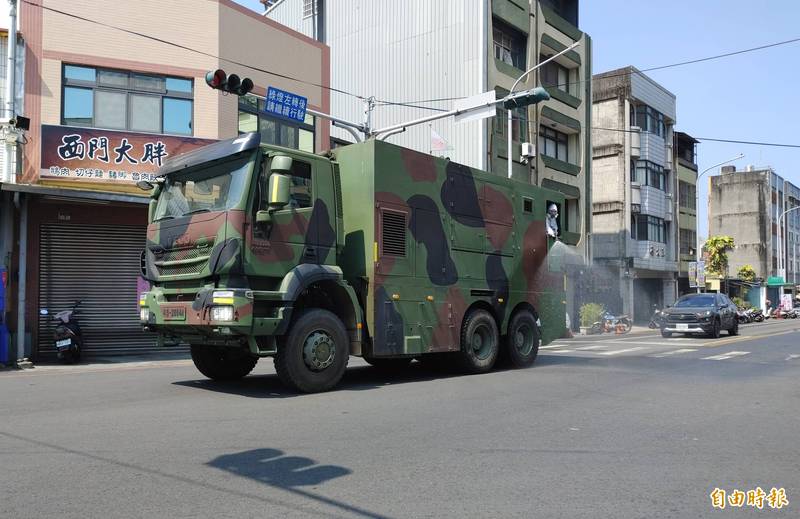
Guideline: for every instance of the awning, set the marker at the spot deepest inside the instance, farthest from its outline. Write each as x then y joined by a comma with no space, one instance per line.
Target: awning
74,194
775,281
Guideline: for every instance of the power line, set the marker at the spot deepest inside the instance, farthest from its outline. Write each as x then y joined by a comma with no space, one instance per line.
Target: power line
184,47
732,141
650,69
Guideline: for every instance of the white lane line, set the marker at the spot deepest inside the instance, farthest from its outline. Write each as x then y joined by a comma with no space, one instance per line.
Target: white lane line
644,343
560,351
792,356
593,347
551,347
726,356
617,352
673,352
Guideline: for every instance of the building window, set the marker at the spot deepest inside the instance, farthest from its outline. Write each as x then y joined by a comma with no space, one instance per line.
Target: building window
648,173
122,100
309,8
687,194
648,228
509,44
648,119
688,241
519,124
554,75
553,143
566,9
279,132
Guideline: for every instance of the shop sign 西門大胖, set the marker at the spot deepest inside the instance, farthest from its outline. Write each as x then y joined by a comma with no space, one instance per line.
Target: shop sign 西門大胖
95,155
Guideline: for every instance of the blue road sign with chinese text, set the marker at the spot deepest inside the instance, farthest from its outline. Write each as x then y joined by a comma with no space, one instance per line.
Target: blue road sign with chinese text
285,105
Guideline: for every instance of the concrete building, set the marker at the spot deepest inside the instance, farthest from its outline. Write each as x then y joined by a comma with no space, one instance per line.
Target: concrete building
106,106
685,162
634,229
407,53
414,50
747,205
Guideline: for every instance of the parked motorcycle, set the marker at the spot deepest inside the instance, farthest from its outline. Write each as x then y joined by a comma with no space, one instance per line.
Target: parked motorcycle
612,323
656,319
67,335
743,316
757,315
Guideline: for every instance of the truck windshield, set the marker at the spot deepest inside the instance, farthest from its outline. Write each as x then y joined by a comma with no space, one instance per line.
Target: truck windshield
215,187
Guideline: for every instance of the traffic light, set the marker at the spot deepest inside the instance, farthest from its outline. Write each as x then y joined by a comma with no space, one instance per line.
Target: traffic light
218,80
528,97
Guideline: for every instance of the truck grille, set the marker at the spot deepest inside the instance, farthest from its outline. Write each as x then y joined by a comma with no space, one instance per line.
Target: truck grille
181,261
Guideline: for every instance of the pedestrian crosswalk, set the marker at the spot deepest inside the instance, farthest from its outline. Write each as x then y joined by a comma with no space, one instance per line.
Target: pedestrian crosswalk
655,347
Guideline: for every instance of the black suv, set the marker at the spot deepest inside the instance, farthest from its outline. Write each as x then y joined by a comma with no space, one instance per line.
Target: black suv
700,313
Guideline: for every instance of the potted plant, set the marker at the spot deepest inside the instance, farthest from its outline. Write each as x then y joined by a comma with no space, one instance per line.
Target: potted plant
589,313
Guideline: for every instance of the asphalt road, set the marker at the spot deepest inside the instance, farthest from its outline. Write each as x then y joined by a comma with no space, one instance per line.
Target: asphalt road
613,426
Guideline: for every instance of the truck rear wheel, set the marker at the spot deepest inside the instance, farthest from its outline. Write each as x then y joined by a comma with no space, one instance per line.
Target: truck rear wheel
313,356
221,364
480,342
522,340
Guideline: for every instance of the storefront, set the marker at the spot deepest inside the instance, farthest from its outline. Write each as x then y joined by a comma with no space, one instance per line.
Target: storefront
106,110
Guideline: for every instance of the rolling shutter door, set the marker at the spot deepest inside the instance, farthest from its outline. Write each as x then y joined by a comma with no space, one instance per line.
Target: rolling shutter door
99,265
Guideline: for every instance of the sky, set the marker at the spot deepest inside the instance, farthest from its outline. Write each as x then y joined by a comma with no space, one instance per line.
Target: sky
750,97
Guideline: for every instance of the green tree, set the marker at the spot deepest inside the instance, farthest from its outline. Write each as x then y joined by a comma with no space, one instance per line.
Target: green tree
746,273
718,247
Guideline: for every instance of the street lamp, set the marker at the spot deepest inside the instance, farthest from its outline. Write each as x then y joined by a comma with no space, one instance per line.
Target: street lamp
781,258
698,250
539,94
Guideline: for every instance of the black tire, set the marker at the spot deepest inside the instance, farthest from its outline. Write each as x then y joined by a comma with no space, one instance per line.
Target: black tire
480,342
522,340
626,325
389,364
222,364
666,334
715,329
300,365
734,329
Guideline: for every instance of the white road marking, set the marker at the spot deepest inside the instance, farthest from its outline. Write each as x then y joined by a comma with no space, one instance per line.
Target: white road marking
560,351
617,352
792,356
550,347
593,347
673,352
726,356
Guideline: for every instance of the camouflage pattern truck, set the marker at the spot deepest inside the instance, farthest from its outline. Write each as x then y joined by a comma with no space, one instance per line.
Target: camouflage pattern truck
370,250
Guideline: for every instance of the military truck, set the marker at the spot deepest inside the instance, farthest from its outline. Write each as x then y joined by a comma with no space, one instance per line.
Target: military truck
371,250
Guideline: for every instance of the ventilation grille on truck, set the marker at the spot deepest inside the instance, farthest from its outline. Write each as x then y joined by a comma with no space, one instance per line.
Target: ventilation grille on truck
393,233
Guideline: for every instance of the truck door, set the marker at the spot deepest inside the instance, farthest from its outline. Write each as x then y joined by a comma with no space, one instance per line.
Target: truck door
276,247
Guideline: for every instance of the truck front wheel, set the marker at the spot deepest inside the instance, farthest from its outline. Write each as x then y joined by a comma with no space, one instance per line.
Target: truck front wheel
313,356
221,364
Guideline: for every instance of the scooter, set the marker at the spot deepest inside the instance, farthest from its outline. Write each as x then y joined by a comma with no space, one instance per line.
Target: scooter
656,319
743,316
757,315
67,335
612,323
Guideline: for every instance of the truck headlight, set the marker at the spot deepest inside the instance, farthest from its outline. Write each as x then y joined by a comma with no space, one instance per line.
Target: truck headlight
144,315
222,313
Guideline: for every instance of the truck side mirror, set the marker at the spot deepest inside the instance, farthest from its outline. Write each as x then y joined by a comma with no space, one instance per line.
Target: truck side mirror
278,193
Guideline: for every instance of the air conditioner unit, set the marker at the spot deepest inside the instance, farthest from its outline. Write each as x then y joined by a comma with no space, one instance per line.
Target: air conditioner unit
528,150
